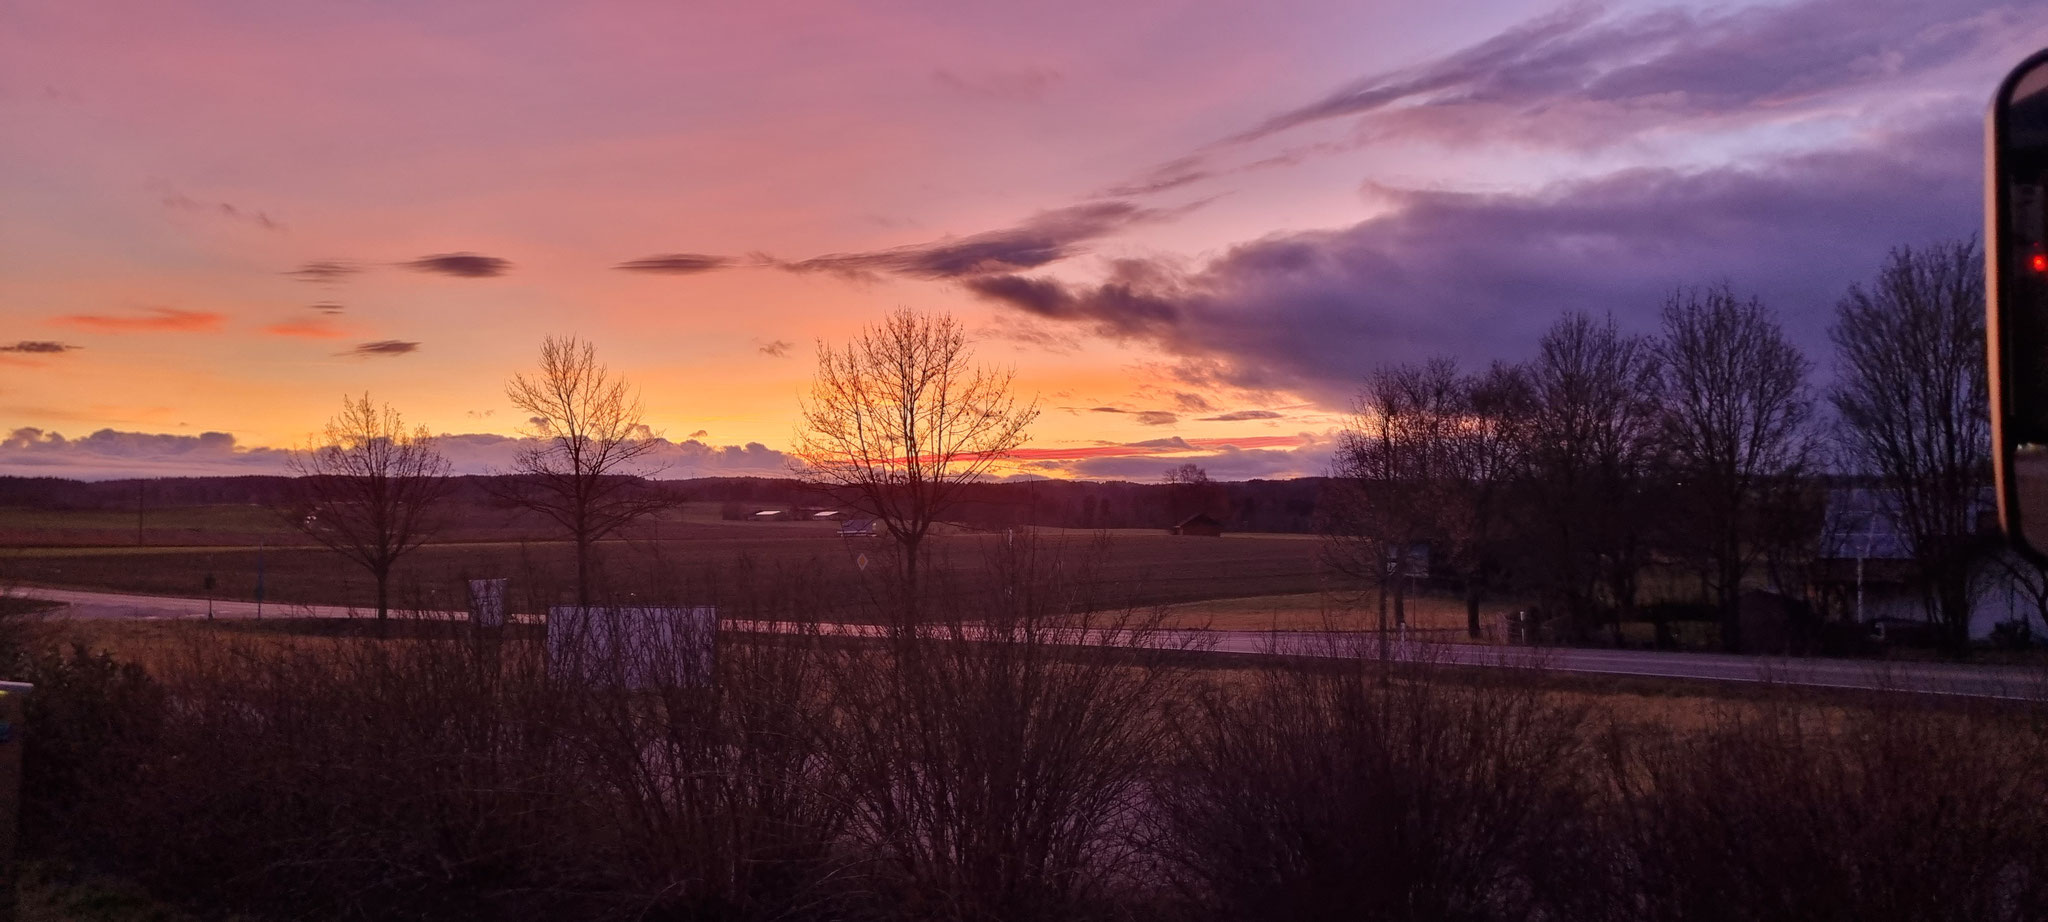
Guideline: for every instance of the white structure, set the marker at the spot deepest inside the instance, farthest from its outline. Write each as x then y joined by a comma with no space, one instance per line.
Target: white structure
632,647
487,602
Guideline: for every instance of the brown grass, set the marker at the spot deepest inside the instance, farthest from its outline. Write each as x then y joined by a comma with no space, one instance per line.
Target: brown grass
1316,611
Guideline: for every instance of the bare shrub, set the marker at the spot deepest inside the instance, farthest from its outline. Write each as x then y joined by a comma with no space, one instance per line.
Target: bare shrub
354,779
88,713
1903,810
1365,790
997,753
719,799
443,773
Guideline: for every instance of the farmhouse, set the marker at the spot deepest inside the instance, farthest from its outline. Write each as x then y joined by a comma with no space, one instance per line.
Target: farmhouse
1864,571
1201,524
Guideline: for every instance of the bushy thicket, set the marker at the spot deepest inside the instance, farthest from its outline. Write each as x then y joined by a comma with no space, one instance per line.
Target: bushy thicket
989,766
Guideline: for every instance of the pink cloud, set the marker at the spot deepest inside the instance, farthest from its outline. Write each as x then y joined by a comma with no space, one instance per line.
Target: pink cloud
149,320
307,328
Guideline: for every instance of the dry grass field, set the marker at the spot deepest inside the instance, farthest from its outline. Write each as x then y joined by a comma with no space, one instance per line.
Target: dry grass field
1315,611
688,555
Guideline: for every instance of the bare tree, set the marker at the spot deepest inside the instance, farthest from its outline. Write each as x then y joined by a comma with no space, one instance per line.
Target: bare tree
1914,405
1593,439
1430,459
590,453
901,421
1493,454
1391,477
367,489
1189,490
1736,416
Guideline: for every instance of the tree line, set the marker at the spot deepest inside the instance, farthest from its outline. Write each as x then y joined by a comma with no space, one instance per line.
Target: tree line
1702,448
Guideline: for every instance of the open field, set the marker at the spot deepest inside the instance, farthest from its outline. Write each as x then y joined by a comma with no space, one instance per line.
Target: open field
686,561
241,524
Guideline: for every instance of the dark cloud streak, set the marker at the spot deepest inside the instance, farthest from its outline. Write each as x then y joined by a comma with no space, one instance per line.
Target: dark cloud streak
382,347
676,263
461,265
40,347
1042,239
1242,415
326,271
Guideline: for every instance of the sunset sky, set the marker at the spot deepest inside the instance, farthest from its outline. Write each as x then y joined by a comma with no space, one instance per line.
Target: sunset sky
1191,228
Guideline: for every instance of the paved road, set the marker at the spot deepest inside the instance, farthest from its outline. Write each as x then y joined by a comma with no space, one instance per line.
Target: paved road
79,604
1935,678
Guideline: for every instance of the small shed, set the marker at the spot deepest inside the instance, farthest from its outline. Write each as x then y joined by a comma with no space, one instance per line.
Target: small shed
860,528
1201,524
1773,622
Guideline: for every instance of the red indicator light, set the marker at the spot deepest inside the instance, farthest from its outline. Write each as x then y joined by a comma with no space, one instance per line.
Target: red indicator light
2039,263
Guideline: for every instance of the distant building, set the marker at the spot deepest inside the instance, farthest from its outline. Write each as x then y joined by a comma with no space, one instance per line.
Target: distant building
769,515
1202,524
1865,567
860,528
828,515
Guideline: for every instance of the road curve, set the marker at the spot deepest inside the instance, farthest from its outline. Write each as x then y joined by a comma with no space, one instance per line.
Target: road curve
2010,682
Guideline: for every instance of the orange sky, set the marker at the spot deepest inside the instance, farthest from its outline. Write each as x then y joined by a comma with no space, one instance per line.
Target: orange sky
221,217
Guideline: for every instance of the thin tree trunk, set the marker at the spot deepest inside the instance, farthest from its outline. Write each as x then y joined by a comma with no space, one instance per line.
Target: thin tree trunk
910,577
1472,610
582,570
1731,595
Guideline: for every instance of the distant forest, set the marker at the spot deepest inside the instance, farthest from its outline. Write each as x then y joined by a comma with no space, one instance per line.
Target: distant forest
1253,505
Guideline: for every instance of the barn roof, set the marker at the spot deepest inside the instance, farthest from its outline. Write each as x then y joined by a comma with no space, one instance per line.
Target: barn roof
1862,523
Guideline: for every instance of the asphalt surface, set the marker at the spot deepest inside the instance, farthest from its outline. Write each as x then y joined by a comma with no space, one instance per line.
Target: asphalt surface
2015,682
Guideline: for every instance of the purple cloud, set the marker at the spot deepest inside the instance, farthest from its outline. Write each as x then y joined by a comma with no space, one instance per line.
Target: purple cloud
1481,275
1242,415
1658,65
1044,238
1586,78
110,453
